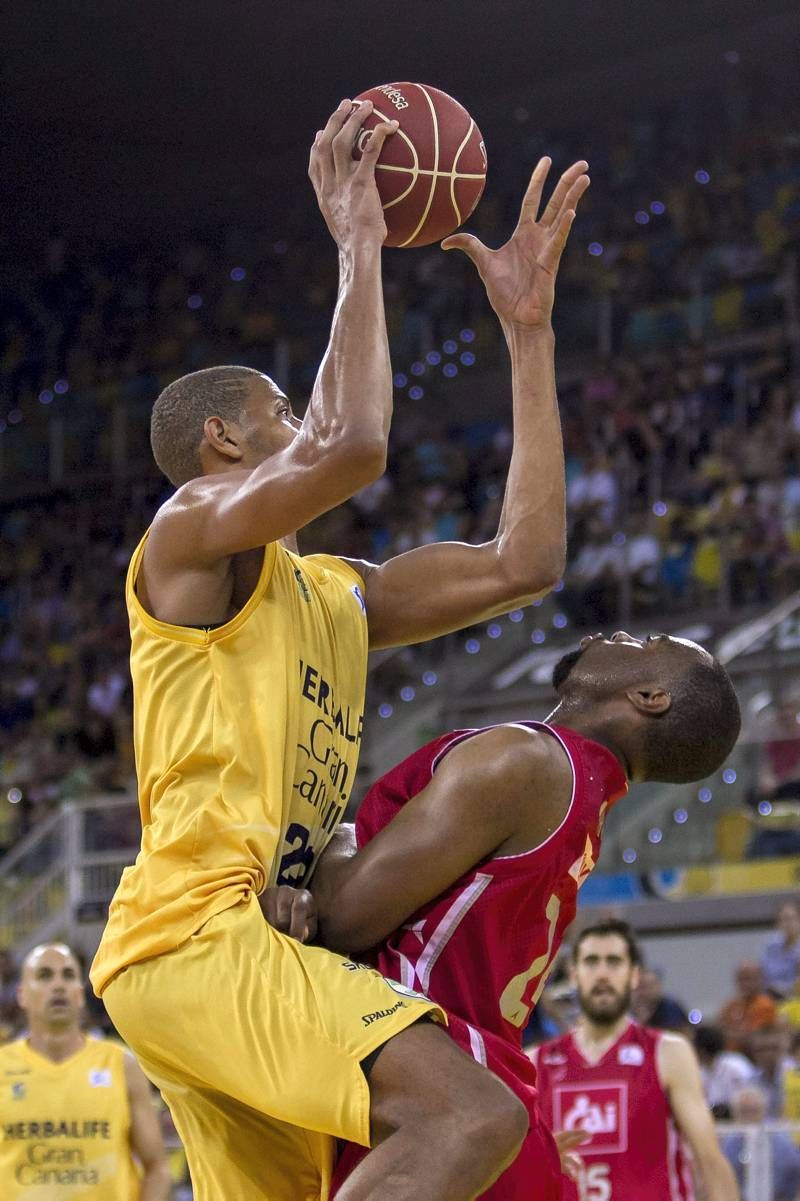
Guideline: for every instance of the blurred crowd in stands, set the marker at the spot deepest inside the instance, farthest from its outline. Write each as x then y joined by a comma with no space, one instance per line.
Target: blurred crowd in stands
678,389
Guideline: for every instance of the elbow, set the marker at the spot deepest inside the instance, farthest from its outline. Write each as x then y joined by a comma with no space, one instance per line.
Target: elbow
537,574
344,936
157,1175
362,460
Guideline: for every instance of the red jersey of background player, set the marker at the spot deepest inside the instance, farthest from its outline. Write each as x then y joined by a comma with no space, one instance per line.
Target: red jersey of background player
483,949
636,1150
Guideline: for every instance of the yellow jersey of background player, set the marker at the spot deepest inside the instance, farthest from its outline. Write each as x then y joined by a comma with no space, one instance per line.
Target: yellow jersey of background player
76,1114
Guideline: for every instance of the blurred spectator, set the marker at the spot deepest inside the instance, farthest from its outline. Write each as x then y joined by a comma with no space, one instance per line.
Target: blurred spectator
723,1072
9,1011
780,770
750,1109
642,561
594,577
780,958
651,1007
594,491
751,1008
768,1049
789,1009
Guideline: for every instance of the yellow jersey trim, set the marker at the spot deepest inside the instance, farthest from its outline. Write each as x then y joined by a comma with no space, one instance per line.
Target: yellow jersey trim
176,633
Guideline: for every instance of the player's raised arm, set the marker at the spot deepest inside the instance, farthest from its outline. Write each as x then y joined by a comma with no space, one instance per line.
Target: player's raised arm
305,469
680,1076
479,797
446,586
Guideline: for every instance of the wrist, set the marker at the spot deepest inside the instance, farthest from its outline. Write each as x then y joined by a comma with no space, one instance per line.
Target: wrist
365,250
518,336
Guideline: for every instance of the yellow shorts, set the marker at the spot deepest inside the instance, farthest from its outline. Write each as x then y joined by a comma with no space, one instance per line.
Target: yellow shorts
255,1042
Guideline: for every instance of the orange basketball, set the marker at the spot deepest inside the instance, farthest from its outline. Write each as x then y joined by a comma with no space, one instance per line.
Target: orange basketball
432,171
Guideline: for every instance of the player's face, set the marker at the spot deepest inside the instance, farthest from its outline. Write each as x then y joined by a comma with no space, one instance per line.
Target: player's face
268,423
768,1049
51,988
789,922
622,659
749,979
604,978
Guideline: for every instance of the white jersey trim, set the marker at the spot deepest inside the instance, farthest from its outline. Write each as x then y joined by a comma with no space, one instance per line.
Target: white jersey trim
477,1045
447,927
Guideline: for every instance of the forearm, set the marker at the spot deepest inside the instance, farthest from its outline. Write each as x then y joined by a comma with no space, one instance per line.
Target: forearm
156,1183
331,874
335,877
352,396
335,858
531,536
718,1178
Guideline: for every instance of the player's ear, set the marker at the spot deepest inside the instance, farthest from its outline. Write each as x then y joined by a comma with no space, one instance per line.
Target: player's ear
222,437
635,976
650,699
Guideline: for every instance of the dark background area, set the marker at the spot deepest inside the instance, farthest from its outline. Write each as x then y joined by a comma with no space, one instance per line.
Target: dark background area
135,119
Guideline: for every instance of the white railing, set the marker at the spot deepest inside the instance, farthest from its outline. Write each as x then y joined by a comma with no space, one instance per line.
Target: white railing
753,1151
749,636
62,875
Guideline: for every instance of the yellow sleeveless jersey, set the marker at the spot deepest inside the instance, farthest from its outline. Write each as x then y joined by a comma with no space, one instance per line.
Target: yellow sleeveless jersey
65,1126
247,739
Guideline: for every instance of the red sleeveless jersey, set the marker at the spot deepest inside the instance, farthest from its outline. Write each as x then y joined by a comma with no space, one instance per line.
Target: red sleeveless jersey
483,949
636,1150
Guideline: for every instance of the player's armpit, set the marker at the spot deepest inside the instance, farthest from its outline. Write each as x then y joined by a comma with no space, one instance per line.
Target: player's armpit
445,586
679,1073
478,798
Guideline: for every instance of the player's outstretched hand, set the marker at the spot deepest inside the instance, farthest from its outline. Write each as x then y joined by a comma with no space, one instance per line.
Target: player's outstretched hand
520,276
346,190
293,911
567,1141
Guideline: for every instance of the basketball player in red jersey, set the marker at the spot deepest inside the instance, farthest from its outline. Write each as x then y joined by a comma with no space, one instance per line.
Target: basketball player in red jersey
634,1090
526,803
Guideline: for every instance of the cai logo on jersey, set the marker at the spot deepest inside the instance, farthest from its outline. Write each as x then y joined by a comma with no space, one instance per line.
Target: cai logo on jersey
100,1078
600,1109
631,1055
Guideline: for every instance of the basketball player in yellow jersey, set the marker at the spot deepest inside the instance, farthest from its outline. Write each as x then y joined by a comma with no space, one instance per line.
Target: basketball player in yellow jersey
249,666
74,1109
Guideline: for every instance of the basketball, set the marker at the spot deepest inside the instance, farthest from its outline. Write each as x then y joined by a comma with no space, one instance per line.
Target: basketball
432,171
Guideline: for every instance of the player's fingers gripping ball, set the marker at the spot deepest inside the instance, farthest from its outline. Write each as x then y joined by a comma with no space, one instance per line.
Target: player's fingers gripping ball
431,172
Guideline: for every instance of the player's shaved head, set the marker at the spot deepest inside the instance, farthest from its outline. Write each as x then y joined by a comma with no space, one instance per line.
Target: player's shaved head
665,702
49,951
180,412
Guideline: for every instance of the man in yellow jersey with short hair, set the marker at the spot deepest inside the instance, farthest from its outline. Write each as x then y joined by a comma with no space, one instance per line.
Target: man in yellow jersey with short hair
249,667
74,1110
